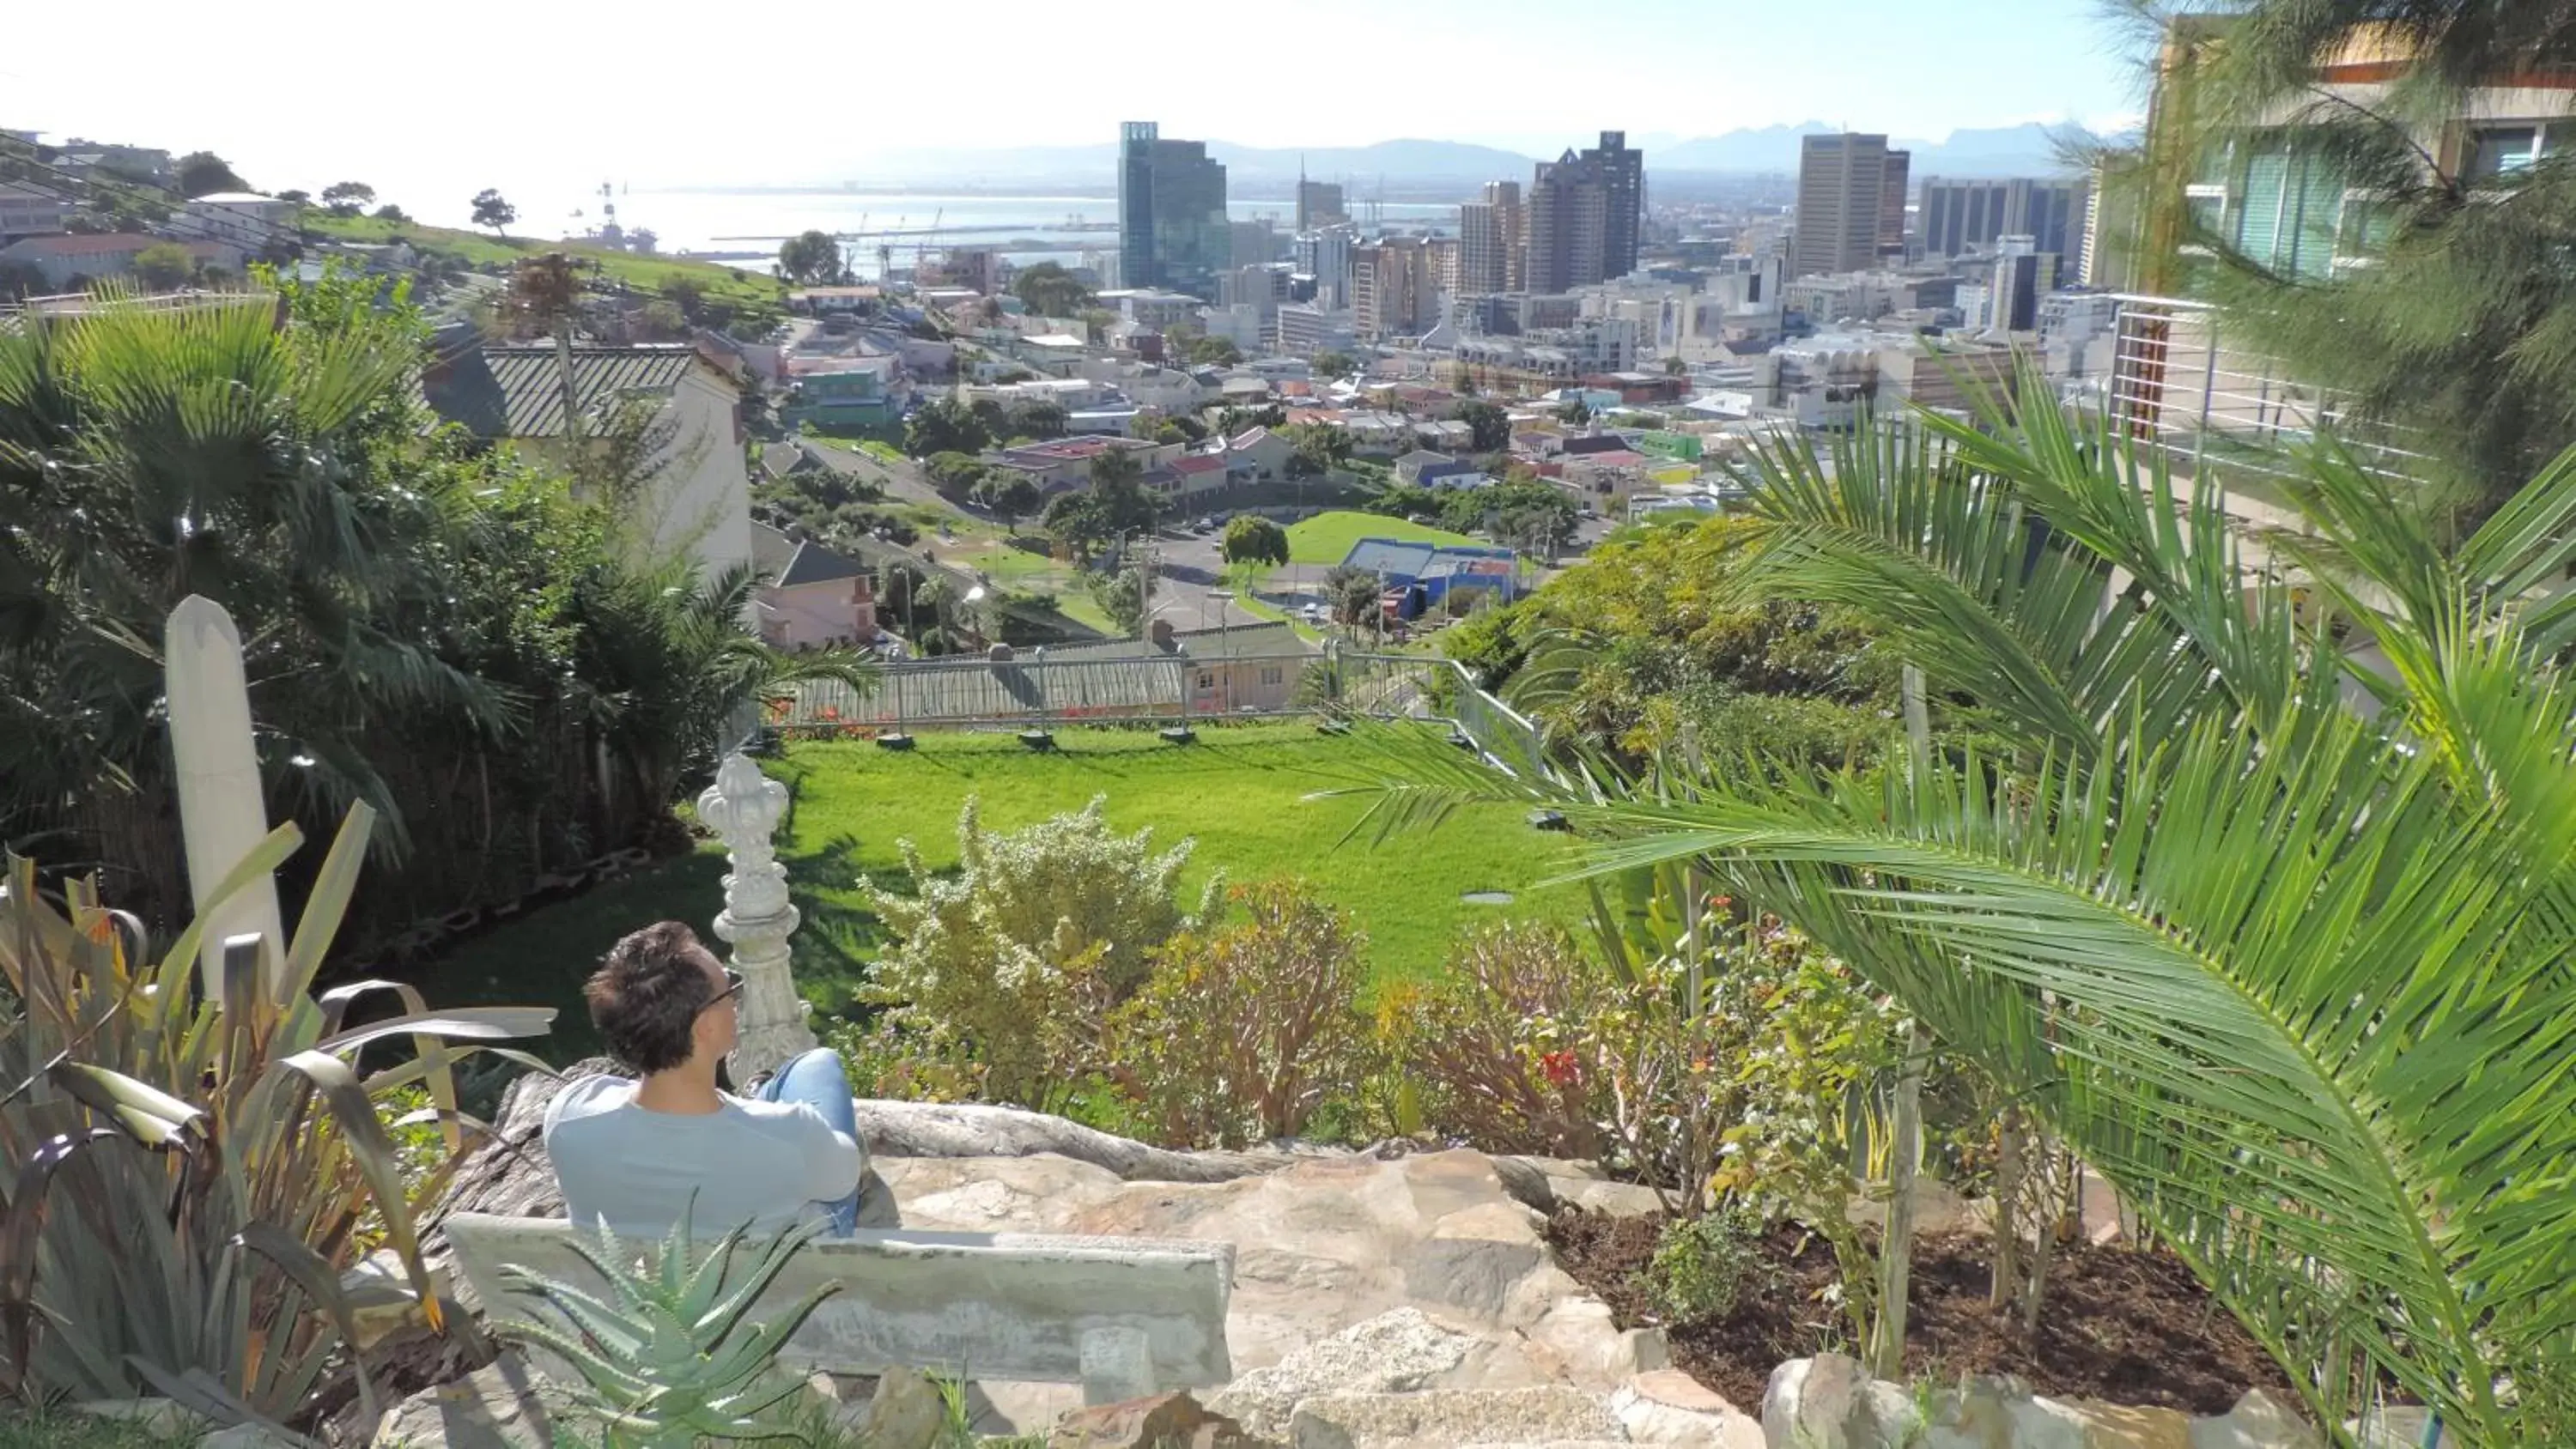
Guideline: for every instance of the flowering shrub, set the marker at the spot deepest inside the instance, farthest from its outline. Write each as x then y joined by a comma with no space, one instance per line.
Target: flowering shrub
1500,1049
1528,1044
1244,1031
1012,963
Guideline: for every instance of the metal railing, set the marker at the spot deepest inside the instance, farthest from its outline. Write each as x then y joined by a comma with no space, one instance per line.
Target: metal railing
2180,385
1025,692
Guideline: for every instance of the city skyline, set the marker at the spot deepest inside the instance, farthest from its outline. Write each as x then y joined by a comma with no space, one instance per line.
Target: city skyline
467,117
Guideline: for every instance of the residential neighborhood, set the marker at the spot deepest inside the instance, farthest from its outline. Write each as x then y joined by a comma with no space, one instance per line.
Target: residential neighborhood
1348,726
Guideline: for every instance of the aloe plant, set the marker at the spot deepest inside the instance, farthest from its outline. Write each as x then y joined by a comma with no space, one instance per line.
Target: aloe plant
663,1366
192,1173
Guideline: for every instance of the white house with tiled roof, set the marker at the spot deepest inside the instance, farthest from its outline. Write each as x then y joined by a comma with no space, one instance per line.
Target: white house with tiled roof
699,498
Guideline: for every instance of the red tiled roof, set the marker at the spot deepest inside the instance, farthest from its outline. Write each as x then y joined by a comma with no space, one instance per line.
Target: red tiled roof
1199,463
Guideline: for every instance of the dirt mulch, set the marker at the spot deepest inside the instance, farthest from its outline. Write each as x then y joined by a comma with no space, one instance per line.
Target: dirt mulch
2119,1325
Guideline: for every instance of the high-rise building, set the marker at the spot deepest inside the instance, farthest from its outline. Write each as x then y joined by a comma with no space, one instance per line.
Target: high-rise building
1584,216
1842,203
1513,227
1483,250
1395,287
1319,203
2018,283
1891,206
1172,229
1960,215
1325,255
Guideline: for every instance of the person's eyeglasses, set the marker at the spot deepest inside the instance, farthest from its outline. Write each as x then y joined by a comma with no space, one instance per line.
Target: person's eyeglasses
732,991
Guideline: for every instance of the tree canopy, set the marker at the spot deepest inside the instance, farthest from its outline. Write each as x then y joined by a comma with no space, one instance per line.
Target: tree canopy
1250,539
812,259
347,198
491,210
1219,351
1050,291
203,173
1011,495
1489,428
1117,503
164,265
1329,365
945,425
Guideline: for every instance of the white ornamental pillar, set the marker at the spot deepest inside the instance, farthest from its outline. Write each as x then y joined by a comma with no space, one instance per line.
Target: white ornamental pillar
742,808
223,812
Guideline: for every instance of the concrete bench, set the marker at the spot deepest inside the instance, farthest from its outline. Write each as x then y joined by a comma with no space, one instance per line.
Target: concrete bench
1123,1317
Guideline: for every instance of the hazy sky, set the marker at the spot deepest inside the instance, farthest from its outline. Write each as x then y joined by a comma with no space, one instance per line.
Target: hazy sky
431,102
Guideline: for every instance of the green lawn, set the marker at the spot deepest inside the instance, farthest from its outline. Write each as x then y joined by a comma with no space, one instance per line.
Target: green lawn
1240,792
1326,538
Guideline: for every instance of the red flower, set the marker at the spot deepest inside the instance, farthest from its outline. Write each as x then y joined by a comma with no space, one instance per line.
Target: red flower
1561,1068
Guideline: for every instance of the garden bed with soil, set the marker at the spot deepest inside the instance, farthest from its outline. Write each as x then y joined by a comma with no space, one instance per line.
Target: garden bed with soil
2120,1325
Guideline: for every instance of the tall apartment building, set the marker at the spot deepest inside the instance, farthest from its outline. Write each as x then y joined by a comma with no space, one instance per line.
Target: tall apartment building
1509,210
1584,216
1851,204
1489,241
1172,229
1395,287
1961,215
1319,204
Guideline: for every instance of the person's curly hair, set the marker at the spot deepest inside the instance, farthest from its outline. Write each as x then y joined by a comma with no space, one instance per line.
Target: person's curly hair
646,996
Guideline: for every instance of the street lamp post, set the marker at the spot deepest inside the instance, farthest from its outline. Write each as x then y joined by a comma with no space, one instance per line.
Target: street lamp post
1225,656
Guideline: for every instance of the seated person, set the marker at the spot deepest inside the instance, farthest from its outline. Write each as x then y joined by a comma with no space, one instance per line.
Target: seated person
639,1152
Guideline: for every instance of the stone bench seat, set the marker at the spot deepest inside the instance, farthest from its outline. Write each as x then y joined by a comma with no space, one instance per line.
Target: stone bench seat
1122,1317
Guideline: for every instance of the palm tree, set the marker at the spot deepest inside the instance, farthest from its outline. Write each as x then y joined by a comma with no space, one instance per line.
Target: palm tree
147,455
668,667
2276,939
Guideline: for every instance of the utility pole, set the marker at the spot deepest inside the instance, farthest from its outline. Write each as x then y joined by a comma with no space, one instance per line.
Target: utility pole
1144,589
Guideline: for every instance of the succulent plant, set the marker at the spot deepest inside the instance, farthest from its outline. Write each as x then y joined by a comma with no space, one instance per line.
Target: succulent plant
664,1366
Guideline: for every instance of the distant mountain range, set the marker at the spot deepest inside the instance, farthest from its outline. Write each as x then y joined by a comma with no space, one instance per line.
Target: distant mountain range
1447,166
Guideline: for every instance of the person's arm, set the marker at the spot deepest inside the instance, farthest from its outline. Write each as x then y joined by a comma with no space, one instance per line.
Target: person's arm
832,1159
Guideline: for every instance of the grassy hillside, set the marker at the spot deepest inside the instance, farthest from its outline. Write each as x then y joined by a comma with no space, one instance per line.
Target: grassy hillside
474,249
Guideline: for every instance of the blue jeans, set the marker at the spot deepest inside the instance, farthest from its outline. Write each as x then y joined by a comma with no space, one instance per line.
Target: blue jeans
817,1079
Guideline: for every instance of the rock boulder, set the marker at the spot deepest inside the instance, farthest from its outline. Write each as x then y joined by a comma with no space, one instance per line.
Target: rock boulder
1163,1421
1448,1418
